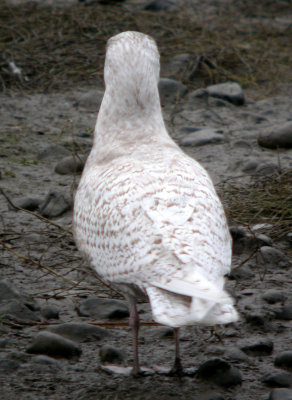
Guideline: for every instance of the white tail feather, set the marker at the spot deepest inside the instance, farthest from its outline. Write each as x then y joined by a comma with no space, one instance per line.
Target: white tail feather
196,286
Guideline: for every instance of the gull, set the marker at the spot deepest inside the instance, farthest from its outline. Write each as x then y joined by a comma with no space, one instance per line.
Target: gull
146,216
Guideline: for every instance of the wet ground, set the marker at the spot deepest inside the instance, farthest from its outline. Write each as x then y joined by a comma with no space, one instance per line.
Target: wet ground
41,263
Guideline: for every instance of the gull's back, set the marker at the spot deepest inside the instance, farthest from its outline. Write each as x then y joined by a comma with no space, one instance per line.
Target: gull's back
146,215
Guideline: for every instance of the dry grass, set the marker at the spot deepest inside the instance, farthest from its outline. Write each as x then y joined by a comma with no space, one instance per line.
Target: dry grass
265,200
59,47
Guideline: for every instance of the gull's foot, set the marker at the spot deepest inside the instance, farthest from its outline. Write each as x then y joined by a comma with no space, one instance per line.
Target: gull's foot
177,369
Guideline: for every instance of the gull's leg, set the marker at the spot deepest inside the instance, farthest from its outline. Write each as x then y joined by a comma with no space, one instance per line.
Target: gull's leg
177,368
134,324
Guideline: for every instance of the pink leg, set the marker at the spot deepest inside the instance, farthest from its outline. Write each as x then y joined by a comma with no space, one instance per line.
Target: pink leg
177,368
134,324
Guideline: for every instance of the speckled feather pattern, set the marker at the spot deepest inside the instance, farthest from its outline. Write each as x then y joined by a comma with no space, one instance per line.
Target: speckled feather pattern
146,216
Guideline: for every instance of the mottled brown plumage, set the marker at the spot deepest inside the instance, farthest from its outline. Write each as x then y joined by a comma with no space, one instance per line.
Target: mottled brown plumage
146,215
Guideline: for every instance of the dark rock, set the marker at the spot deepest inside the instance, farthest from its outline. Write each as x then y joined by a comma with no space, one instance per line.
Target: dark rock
18,311
80,331
171,90
273,258
285,313
263,240
278,136
280,394
220,372
7,366
110,354
70,165
278,379
230,91
284,359
165,332
28,203
160,5
232,354
262,347
54,345
273,296
7,291
53,151
257,319
202,137
46,360
103,308
50,312
55,204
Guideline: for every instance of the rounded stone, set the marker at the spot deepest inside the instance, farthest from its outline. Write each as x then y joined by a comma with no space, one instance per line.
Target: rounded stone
274,258
261,347
55,204
280,394
278,379
230,91
278,136
284,360
80,331
54,345
273,296
50,312
110,354
220,372
285,313
70,165
103,308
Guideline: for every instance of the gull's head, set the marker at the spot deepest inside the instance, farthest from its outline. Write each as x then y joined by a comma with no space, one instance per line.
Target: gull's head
132,58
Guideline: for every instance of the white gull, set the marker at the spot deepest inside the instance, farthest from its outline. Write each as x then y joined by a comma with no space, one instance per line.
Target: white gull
146,216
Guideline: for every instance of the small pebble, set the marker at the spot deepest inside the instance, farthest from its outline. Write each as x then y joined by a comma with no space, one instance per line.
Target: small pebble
50,312
110,354
278,379
202,137
80,331
103,308
280,394
261,347
285,313
284,359
278,136
230,91
220,372
273,296
55,204
70,165
18,311
273,258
